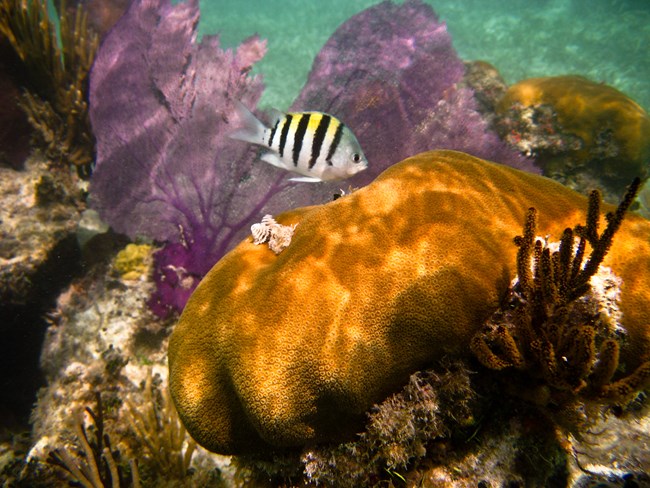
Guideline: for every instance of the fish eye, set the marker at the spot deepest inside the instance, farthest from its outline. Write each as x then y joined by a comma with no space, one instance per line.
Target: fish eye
356,157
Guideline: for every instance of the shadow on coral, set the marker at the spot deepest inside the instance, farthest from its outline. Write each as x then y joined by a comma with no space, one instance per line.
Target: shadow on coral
15,131
447,427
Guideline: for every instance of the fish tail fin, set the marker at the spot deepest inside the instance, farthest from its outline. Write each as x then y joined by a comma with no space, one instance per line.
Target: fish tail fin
252,129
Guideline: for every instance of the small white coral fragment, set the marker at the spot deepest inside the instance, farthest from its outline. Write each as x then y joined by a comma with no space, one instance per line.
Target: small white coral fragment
278,236
606,293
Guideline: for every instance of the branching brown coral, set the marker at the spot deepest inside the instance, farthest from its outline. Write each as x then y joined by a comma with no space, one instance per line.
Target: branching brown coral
93,463
55,99
552,328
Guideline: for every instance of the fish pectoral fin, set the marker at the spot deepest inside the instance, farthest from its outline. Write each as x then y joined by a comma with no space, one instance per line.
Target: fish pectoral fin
306,179
274,160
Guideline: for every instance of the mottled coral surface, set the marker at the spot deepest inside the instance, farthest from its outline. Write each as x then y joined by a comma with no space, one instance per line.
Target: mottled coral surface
291,349
584,133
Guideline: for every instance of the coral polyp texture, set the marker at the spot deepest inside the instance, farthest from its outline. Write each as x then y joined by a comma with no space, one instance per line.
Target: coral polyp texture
584,133
292,349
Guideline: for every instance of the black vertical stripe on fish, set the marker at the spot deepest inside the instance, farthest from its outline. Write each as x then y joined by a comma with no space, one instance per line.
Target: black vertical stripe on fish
275,127
319,138
299,136
285,133
335,142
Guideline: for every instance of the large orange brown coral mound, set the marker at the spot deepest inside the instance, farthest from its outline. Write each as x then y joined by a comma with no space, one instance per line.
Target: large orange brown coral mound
291,349
592,128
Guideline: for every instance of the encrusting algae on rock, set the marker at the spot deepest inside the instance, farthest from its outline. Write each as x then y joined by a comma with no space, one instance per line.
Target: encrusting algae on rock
292,349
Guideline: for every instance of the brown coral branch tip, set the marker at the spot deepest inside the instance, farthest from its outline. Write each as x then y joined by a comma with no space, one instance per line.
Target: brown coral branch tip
546,331
602,243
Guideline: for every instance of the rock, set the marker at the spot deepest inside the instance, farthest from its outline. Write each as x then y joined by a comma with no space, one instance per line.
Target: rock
103,341
38,220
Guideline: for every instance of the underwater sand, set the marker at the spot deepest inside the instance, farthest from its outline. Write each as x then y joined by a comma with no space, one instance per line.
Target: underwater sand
605,40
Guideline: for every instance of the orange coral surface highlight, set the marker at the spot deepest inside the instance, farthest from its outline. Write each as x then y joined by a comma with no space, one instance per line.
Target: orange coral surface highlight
291,349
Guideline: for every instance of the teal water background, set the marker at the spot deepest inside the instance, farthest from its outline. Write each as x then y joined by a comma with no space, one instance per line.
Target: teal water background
604,40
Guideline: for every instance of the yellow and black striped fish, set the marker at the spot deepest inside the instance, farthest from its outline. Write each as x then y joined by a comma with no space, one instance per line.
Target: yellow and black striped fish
314,144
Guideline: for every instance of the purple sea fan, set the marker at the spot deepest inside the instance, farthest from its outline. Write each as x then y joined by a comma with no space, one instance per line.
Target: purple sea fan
392,74
161,106
160,109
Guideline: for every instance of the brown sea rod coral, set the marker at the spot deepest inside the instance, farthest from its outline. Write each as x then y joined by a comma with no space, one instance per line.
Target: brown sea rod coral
560,323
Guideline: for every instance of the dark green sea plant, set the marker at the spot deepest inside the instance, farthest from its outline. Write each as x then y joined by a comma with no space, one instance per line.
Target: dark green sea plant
55,96
552,336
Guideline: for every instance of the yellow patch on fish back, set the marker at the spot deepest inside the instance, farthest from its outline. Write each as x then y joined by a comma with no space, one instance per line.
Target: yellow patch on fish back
331,130
314,121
